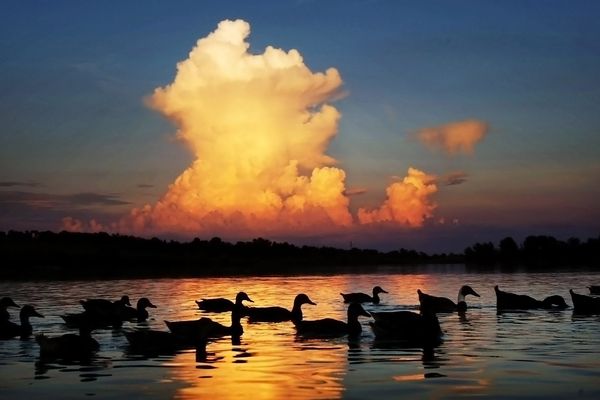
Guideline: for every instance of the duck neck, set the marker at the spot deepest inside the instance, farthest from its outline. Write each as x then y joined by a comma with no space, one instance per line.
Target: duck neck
236,320
142,314
461,297
297,312
376,298
25,321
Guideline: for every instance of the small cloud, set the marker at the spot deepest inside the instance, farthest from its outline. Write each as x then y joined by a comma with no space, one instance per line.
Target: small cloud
355,191
18,183
454,137
50,200
454,178
89,199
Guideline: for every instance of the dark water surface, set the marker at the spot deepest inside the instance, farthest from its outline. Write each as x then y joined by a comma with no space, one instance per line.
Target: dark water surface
537,354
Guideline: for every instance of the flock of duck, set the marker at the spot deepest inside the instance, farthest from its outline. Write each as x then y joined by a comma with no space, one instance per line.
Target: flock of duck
422,329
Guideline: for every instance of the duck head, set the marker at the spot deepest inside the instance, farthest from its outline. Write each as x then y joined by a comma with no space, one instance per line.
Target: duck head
466,289
377,290
7,302
144,302
124,301
242,296
303,299
355,310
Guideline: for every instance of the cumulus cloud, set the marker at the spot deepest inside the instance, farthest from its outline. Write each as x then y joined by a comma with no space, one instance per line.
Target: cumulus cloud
455,137
408,201
259,126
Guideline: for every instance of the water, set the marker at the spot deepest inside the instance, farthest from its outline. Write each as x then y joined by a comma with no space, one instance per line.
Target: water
525,355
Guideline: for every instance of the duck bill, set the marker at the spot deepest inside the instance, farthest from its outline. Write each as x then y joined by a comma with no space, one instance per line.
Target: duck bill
474,293
365,313
311,302
37,314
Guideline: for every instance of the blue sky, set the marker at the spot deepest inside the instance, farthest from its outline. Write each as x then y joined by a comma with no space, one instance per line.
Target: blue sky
73,120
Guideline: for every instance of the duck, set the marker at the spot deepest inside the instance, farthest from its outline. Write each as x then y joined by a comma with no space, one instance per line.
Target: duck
6,302
279,314
444,305
104,306
209,328
69,346
139,312
155,342
329,327
583,304
511,301
363,297
9,330
407,326
594,289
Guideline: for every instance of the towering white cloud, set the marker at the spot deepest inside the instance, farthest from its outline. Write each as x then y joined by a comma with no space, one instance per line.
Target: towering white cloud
259,126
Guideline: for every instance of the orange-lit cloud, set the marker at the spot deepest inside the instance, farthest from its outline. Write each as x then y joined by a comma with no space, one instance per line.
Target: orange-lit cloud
408,202
259,126
454,137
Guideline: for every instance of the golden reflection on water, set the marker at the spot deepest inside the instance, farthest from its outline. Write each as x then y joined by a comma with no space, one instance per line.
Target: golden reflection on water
483,354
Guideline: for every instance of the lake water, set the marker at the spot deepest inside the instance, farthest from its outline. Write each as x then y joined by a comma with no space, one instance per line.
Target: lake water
524,355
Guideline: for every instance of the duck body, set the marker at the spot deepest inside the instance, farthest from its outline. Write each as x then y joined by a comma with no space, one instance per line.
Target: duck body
6,302
218,305
154,342
407,327
363,297
104,306
511,301
9,330
69,346
279,314
434,304
329,327
583,304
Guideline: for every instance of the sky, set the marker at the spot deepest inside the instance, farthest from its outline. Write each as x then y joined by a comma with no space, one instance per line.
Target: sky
427,125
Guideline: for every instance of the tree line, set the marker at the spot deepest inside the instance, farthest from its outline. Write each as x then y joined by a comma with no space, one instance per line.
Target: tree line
68,255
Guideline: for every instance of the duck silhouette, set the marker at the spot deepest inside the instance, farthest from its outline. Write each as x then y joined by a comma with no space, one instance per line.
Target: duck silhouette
104,306
583,304
69,346
329,327
154,342
6,302
407,327
279,314
189,330
139,313
511,301
9,330
363,297
436,304
217,305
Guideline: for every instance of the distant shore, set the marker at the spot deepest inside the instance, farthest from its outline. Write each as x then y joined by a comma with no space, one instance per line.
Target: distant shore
66,255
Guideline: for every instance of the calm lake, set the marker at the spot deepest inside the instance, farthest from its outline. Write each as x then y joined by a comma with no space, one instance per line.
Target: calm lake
519,355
